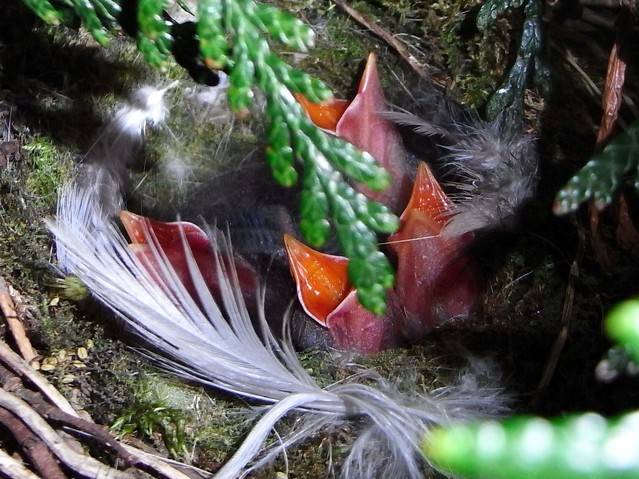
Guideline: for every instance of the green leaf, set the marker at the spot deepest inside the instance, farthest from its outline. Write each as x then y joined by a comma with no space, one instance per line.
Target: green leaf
622,325
154,37
356,164
369,270
45,11
107,10
314,209
281,163
91,21
377,216
493,9
581,446
283,27
211,34
601,176
508,99
297,81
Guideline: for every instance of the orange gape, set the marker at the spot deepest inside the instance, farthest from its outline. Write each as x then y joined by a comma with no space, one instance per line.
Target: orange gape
362,123
436,280
326,115
321,279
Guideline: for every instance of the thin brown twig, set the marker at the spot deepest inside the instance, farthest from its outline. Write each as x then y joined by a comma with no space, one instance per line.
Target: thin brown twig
566,320
11,383
127,456
13,321
100,433
14,469
612,99
15,363
389,38
81,464
161,465
562,335
32,446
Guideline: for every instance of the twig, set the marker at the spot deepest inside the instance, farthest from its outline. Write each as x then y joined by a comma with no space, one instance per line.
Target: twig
399,46
83,465
32,446
160,464
612,99
13,321
612,95
16,364
129,456
14,469
564,328
92,429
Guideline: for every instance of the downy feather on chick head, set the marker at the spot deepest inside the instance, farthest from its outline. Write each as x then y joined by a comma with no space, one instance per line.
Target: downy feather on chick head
491,172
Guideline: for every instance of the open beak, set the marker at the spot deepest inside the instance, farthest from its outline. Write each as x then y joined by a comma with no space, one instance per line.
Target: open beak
138,228
321,279
427,201
362,123
154,242
327,296
436,280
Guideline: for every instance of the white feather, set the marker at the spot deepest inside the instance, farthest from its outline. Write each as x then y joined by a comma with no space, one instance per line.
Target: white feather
218,345
198,342
104,169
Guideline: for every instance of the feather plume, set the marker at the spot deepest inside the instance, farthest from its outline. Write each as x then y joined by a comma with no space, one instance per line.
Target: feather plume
496,172
196,340
219,344
105,167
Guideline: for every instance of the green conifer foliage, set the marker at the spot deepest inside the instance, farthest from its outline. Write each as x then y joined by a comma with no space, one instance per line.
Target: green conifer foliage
601,176
234,35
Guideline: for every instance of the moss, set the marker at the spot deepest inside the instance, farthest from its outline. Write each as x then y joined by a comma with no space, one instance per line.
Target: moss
50,168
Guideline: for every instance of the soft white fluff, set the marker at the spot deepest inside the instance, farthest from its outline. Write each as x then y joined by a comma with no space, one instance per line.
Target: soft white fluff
196,340
497,171
104,169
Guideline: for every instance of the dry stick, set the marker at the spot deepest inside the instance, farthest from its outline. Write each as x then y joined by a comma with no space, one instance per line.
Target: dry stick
142,460
53,414
16,364
564,329
81,464
14,469
612,99
32,446
15,324
386,36
11,383
160,464
129,455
